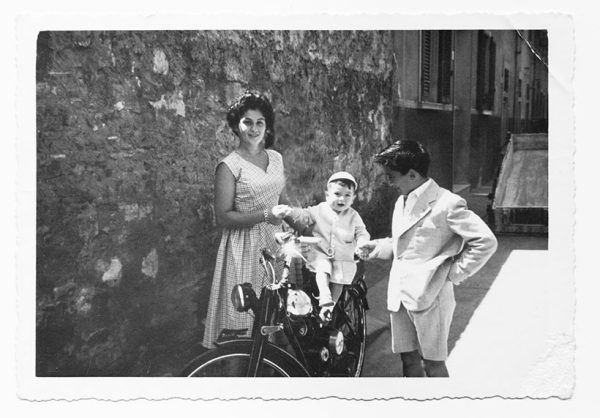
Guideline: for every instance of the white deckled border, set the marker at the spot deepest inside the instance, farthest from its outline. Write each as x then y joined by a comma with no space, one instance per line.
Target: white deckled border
560,293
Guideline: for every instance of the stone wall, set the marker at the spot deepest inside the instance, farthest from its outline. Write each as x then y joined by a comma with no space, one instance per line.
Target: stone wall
130,126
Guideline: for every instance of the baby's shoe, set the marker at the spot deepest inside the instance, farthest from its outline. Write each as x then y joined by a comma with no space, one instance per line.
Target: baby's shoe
325,313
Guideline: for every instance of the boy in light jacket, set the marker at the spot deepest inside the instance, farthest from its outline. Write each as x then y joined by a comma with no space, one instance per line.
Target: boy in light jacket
436,243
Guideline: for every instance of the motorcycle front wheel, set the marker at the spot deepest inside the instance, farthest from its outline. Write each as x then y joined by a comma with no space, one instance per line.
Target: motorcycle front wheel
232,359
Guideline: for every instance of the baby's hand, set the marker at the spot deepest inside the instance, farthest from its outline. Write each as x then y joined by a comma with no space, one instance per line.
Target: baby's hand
281,211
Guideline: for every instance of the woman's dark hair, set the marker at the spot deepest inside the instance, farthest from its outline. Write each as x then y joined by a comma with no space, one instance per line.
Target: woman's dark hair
253,101
404,155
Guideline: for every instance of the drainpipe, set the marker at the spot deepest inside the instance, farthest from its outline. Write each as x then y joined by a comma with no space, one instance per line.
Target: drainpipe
452,101
516,121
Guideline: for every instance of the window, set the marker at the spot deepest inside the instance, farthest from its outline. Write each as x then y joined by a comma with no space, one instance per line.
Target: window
436,66
486,68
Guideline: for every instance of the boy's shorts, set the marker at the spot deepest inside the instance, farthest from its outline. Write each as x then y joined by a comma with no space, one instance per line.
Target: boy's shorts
426,330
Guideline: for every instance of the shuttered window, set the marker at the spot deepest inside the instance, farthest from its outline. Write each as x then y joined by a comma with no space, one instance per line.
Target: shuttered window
486,71
436,66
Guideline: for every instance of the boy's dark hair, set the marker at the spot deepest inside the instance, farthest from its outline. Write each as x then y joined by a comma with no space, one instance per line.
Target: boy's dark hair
404,155
343,182
253,101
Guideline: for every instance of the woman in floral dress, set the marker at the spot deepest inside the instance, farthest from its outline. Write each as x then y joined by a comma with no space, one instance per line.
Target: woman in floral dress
249,182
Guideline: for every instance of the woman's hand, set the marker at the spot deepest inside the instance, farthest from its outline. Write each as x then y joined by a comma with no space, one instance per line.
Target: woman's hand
281,211
277,213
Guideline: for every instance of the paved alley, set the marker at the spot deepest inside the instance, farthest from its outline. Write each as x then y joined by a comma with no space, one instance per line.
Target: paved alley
495,329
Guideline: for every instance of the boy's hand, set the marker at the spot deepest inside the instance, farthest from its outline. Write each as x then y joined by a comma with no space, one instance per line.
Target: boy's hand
365,250
281,211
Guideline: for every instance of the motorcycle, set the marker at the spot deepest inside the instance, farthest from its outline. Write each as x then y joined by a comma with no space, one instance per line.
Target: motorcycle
288,337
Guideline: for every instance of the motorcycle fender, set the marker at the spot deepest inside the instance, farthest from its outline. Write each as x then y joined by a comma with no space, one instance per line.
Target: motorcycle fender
360,292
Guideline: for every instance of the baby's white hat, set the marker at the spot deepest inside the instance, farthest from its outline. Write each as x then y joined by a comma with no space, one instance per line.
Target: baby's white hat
343,175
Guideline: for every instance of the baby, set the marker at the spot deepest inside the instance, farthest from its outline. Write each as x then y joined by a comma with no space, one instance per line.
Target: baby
340,229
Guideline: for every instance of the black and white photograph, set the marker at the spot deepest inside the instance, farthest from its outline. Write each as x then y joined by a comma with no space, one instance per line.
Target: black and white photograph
356,206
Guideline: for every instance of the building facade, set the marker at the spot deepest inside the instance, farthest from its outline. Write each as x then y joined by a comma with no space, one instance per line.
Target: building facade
463,92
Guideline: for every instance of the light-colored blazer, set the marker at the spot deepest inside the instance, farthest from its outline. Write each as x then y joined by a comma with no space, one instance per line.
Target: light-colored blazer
441,240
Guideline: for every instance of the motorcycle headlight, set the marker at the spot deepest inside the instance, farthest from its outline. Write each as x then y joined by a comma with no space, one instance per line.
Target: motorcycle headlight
336,342
242,297
298,303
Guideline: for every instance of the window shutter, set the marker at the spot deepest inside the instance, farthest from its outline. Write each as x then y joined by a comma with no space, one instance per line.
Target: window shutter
445,67
492,76
426,46
481,47
486,72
